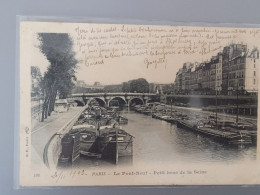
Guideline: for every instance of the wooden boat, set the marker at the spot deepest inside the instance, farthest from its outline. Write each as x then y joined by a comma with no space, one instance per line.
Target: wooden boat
156,115
70,148
114,143
246,129
100,137
115,108
82,121
253,135
106,122
168,118
88,135
91,155
121,120
84,125
140,109
87,138
222,135
147,111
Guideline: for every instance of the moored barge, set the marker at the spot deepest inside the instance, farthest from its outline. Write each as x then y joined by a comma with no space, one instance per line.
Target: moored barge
113,143
222,135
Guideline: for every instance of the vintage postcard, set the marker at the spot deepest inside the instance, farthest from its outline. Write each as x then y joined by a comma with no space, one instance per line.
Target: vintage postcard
121,104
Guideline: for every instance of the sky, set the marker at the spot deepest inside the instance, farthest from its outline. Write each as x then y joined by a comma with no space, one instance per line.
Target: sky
114,72
118,70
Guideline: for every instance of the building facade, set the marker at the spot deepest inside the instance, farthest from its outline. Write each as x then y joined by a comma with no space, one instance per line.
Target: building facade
232,71
219,73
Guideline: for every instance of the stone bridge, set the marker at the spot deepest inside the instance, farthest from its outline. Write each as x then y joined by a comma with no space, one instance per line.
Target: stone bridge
104,99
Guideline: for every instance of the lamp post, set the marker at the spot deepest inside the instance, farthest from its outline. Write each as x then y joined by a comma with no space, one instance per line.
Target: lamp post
237,109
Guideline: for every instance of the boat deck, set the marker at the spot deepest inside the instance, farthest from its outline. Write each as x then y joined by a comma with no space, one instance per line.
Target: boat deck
209,130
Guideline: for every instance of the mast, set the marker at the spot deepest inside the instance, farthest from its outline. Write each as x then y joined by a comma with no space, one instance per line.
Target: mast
237,106
171,106
116,160
216,109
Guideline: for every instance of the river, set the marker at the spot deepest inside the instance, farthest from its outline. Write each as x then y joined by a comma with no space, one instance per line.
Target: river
159,141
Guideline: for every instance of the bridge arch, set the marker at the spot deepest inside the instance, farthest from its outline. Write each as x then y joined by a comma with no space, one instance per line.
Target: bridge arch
150,100
136,100
121,100
79,103
100,101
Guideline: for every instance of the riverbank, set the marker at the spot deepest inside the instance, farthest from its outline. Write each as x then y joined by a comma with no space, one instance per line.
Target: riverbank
222,115
43,131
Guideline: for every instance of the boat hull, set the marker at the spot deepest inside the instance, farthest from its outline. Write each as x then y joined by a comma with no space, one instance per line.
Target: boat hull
70,149
233,139
87,139
122,120
114,143
167,119
119,149
86,146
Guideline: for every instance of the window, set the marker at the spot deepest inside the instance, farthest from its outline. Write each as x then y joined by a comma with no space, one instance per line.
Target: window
254,65
254,73
241,82
254,82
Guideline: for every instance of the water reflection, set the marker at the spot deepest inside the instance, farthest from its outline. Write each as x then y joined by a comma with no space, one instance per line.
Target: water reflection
158,141
200,148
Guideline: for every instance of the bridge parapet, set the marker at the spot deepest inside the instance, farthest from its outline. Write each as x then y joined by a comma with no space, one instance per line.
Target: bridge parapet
112,94
231,97
107,97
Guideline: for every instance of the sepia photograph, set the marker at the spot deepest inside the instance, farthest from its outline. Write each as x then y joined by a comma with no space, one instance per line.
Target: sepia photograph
121,104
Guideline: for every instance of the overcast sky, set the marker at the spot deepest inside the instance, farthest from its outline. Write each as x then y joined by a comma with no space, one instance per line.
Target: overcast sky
120,70
115,71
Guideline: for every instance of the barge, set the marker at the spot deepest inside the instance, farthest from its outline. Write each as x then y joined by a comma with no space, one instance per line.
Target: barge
113,143
222,135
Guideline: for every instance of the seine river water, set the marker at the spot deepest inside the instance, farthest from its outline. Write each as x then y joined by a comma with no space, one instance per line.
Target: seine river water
159,141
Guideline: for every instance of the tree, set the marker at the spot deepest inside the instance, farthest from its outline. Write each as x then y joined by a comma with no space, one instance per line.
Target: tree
113,88
60,75
139,86
36,81
167,88
126,87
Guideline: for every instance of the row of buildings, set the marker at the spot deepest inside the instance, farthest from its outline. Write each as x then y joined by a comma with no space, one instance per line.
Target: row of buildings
233,70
